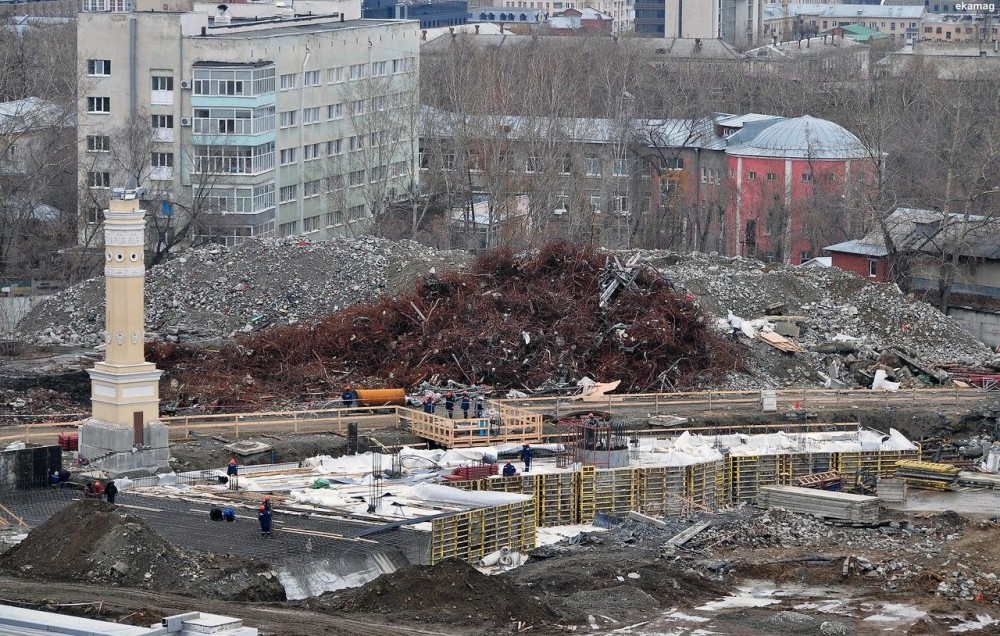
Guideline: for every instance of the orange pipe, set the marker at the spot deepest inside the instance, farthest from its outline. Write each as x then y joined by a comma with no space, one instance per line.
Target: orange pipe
381,397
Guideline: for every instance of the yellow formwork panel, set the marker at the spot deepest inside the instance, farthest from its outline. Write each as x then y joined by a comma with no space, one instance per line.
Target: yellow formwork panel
585,494
472,535
557,499
848,465
615,490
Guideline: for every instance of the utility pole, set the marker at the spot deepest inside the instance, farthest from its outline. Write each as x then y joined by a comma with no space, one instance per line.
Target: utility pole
301,159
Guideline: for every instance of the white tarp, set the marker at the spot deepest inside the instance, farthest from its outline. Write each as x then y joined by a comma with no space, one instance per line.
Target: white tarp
881,384
447,494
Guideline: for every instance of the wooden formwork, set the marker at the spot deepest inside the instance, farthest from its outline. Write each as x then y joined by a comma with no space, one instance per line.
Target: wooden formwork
512,425
472,535
662,491
585,494
705,485
557,497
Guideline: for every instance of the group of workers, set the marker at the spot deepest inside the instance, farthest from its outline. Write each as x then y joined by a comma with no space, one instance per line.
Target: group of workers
264,516
96,490
465,402
509,470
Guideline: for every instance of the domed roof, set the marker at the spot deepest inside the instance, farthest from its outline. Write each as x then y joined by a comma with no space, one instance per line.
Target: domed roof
803,138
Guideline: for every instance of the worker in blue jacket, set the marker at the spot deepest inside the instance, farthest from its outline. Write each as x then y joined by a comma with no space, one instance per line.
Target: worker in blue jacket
264,517
466,404
449,404
509,470
526,457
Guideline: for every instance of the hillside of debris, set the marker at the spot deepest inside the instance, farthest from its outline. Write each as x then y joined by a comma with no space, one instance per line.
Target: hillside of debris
91,541
850,328
510,322
216,292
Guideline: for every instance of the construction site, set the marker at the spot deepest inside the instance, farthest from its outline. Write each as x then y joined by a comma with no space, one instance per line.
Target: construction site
565,442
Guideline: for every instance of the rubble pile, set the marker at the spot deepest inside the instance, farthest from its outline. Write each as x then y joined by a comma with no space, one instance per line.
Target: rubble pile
450,591
91,541
923,555
215,292
835,315
510,322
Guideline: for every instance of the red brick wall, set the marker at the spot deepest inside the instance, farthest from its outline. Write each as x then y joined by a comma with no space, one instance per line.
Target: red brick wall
858,264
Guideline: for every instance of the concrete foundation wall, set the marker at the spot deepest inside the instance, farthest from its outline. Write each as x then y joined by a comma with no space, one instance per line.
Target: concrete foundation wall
983,325
29,467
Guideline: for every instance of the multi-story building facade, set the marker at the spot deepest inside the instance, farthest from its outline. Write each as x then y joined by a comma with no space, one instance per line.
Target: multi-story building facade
901,23
960,28
735,22
241,127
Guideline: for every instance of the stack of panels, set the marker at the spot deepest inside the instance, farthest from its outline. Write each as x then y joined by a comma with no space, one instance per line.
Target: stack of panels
823,503
927,475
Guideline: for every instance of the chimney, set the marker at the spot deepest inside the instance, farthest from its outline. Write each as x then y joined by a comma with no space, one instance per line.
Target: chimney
477,29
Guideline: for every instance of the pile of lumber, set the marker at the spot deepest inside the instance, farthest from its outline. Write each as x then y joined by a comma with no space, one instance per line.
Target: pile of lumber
927,475
830,480
822,503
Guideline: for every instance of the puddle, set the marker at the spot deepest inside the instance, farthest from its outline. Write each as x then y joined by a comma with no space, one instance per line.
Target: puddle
982,621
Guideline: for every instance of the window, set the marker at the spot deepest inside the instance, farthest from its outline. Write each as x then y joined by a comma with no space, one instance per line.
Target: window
831,178
287,156
357,107
334,147
355,212
287,229
100,68
310,224
335,182
162,121
311,115
310,152
288,118
672,163
380,103
379,69
287,193
335,75
98,105
335,111
402,65
752,175
356,72
162,83
595,203
872,268
356,143
311,189
375,139
334,218
621,167
98,143
356,178
621,205
531,165
287,81
99,179
593,166
311,78
807,177
704,175
94,214
163,160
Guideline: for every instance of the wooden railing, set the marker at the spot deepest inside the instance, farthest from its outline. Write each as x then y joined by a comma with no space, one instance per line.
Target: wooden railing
519,418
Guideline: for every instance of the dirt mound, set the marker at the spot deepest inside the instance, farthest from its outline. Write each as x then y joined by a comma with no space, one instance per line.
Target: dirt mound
510,322
451,591
94,542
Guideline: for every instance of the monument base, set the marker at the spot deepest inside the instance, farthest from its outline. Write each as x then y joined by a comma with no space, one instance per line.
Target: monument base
113,448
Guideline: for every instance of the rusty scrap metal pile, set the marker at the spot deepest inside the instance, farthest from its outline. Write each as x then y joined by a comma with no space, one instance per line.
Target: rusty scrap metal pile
562,314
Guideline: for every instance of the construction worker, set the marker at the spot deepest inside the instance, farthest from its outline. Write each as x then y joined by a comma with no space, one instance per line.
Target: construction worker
229,515
526,457
264,517
233,473
98,490
215,514
111,491
449,404
54,479
267,502
349,397
88,490
429,404
509,470
466,403
480,404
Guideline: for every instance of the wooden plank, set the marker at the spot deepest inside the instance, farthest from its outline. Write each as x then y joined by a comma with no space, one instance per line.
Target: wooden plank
779,342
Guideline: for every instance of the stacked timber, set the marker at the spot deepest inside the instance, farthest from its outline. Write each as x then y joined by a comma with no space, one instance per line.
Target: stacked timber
927,475
892,490
822,503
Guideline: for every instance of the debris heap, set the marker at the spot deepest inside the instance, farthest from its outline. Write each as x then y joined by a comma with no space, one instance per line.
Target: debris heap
215,292
512,322
92,541
451,591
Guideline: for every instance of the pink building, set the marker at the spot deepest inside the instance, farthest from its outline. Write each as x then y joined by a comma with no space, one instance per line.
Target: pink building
785,181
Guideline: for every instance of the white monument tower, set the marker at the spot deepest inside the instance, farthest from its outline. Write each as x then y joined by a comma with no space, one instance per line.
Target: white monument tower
124,434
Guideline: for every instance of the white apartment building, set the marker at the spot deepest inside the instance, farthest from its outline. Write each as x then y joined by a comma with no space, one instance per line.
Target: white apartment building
253,126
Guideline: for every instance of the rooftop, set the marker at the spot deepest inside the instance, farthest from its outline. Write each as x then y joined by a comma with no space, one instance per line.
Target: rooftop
279,26
850,11
801,138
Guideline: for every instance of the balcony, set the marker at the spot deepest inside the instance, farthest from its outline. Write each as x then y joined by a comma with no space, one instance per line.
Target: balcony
161,98
163,135
161,174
